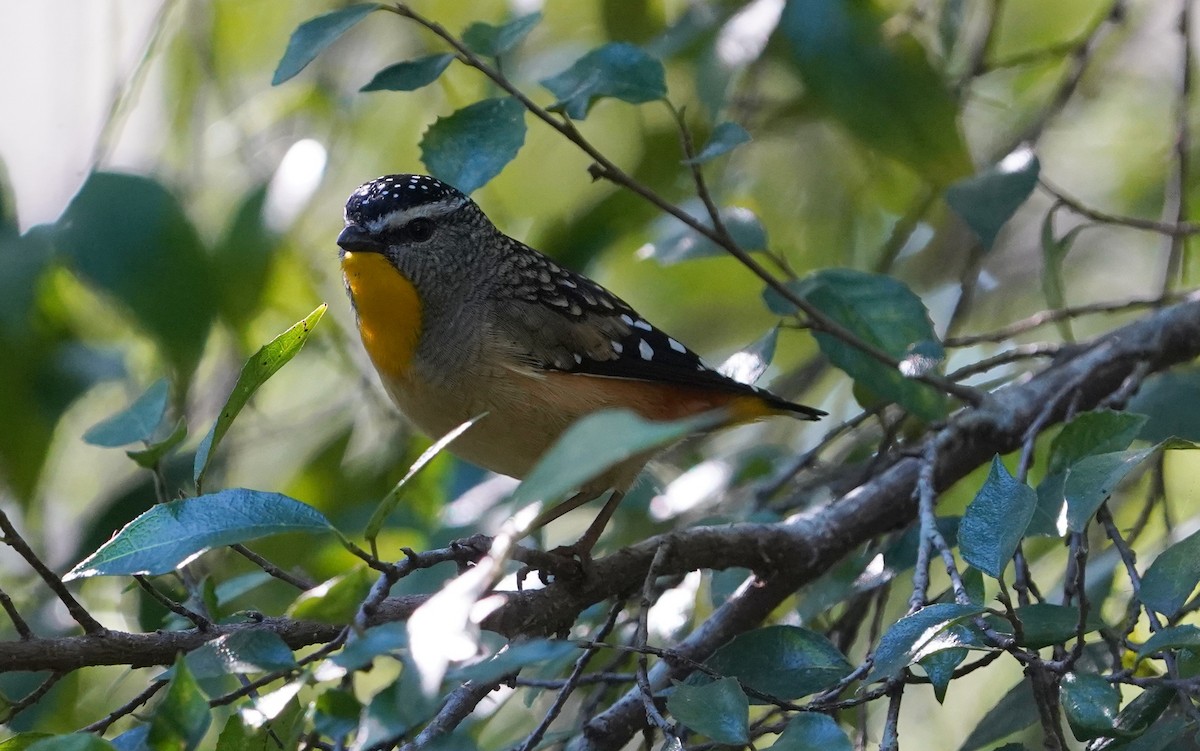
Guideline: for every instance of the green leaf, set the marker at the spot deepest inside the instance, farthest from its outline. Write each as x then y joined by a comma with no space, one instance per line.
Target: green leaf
1099,432
807,731
1090,704
314,35
264,364
393,711
914,636
395,495
787,662
748,364
1054,252
137,422
336,713
130,238
46,742
881,311
1141,715
182,716
243,257
493,41
725,138
940,667
1091,480
1171,403
513,658
170,534
1186,636
994,523
384,639
986,201
718,710
239,653
471,146
855,71
1045,624
597,442
409,75
1015,711
1169,581
336,600
153,454
617,69
674,242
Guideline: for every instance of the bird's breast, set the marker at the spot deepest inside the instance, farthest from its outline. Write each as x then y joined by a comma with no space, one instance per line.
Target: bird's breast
388,309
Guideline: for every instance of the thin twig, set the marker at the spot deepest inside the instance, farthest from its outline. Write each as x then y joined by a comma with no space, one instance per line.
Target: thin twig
78,612
641,639
14,615
14,708
1177,188
103,724
1149,225
283,576
1058,314
202,623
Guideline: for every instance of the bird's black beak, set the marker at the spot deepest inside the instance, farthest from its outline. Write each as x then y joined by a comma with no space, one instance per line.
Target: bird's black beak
357,240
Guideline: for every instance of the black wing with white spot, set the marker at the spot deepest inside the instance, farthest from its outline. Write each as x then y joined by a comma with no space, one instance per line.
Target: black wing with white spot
560,320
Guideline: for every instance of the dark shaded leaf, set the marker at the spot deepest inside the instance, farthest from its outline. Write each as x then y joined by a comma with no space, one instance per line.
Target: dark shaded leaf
617,69
787,662
1186,636
1091,480
1171,403
182,716
718,710
314,35
855,71
1090,704
493,41
471,146
243,258
1045,624
47,742
409,75
940,667
883,312
989,199
336,713
807,731
239,653
170,534
725,138
1054,252
137,422
994,523
257,370
1015,711
1170,580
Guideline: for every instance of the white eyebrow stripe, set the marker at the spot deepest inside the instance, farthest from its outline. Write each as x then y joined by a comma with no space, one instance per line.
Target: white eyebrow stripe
401,217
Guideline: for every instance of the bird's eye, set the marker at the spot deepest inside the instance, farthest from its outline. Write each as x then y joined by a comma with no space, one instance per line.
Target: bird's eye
419,230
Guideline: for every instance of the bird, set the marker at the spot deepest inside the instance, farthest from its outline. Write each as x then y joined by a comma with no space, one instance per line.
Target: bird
460,320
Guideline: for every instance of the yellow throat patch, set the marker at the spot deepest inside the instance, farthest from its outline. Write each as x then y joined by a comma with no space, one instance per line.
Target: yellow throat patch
389,311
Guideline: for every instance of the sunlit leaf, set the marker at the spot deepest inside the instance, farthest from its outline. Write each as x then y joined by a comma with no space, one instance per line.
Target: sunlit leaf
410,74
137,422
994,523
725,138
249,651
335,600
1092,479
904,641
314,35
618,69
182,716
747,365
1090,704
471,146
514,657
1186,636
257,370
170,534
987,201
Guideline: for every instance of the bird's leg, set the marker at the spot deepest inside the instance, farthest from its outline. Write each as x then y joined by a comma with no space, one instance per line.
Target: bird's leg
581,549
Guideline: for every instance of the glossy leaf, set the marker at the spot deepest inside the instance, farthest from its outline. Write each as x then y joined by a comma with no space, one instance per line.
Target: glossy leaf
987,201
807,731
314,35
182,715
883,312
239,653
1091,480
409,75
787,662
514,657
856,71
725,138
1173,575
1090,704
674,242
360,651
1171,403
170,534
618,69
336,600
597,442
137,422
257,370
912,635
1045,624
128,237
940,667
1186,636
748,364
494,41
471,146
718,710
994,523
1015,711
